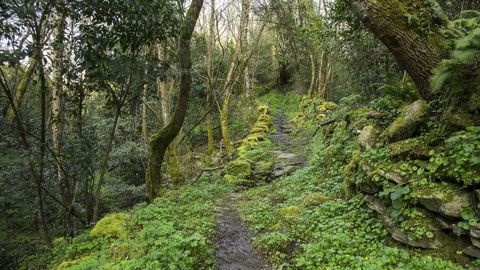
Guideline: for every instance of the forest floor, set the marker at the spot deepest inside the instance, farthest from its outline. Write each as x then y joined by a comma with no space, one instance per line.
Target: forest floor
234,241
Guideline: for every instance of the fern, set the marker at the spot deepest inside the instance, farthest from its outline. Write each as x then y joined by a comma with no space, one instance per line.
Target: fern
463,41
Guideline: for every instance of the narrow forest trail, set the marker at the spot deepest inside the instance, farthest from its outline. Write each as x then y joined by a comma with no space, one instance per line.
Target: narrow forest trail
234,240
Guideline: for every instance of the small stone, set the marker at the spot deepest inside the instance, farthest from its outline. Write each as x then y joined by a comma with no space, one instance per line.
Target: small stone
475,242
375,204
406,124
472,252
458,231
368,137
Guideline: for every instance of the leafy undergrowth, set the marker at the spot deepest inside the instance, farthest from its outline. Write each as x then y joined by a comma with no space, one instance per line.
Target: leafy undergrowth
303,221
174,232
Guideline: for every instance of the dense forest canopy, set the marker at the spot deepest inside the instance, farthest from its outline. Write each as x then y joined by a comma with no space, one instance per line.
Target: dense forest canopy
310,134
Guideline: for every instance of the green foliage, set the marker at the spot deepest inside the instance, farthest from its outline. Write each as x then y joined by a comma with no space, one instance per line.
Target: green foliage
460,159
460,69
174,232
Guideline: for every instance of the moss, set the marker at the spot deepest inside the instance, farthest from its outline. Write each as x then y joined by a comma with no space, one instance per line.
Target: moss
119,251
239,167
112,225
474,102
408,147
405,125
290,212
86,262
315,198
264,166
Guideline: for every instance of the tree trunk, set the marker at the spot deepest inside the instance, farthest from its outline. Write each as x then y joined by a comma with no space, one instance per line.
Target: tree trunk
145,113
23,85
418,53
104,164
244,20
43,144
312,76
162,138
210,48
164,88
58,93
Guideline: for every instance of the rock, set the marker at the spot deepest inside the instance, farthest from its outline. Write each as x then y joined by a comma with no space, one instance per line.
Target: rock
446,199
375,115
368,137
239,168
376,204
405,125
392,176
406,148
286,156
475,242
472,252
285,170
458,231
402,237
474,102
442,223
475,231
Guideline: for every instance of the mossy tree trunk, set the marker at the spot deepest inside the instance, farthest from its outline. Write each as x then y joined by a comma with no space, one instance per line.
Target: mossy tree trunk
162,138
416,52
210,83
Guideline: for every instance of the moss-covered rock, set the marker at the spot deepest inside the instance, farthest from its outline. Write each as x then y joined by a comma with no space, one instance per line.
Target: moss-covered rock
414,147
264,166
290,212
407,123
112,225
444,198
239,168
315,198
368,137
397,233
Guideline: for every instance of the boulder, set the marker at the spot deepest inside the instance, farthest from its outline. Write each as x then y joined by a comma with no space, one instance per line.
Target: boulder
368,137
405,125
472,252
239,168
398,234
445,198
413,147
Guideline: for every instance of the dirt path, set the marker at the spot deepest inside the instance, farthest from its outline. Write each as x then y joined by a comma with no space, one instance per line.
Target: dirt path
234,246
233,240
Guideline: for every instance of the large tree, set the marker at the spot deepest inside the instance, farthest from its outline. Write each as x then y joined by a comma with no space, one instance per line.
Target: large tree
163,137
411,31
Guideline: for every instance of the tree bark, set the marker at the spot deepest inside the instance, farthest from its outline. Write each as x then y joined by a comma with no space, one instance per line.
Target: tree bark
210,48
162,138
416,52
